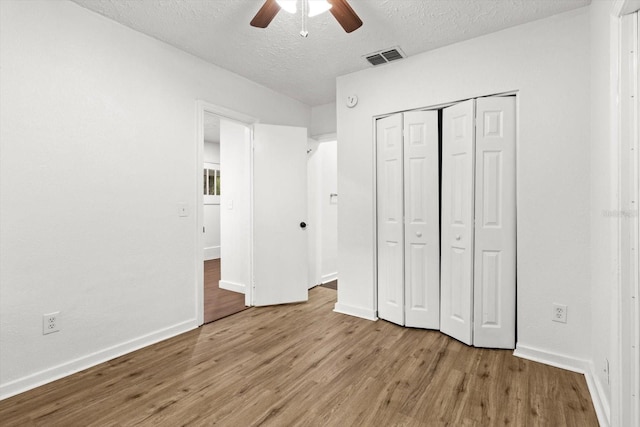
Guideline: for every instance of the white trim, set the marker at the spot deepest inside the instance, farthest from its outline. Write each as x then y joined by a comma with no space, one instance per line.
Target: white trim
76,365
551,358
598,396
364,313
329,278
574,364
325,137
374,209
203,107
625,408
212,252
624,7
251,286
231,286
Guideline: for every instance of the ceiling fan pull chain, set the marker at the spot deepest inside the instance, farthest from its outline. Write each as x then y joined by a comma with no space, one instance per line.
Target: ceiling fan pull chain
305,7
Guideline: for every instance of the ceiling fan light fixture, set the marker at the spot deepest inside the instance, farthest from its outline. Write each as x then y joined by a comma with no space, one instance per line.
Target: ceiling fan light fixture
288,5
316,7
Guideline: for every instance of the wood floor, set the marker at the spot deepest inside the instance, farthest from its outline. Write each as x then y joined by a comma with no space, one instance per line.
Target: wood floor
331,285
218,303
305,365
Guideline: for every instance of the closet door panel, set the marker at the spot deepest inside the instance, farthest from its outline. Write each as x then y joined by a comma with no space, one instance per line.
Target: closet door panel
390,228
422,217
457,240
495,230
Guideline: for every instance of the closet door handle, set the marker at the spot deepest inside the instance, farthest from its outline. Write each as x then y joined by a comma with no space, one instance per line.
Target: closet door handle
458,237
419,233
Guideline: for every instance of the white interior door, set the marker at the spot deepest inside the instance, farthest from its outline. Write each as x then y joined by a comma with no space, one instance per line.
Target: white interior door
495,224
422,220
390,219
279,211
456,315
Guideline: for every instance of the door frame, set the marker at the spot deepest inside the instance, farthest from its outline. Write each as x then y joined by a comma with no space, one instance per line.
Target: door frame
440,106
624,133
202,108
314,214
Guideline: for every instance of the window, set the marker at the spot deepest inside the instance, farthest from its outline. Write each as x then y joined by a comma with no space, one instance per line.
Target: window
211,179
211,183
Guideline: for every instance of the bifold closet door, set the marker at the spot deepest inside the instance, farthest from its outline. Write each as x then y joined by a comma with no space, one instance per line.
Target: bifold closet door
408,219
390,229
422,220
495,224
479,222
456,289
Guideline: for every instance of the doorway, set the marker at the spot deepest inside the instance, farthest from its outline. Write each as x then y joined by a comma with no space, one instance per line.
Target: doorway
263,243
322,199
218,302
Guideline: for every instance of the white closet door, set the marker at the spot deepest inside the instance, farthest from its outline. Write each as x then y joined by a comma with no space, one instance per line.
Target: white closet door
422,220
457,221
390,221
495,224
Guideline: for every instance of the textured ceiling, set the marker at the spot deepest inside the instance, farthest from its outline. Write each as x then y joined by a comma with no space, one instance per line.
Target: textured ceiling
218,31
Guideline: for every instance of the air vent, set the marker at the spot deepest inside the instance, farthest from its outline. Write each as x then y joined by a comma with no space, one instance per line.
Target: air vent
384,56
376,59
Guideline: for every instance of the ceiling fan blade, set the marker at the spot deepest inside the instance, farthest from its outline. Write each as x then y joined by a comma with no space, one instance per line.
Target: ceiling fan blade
265,15
345,15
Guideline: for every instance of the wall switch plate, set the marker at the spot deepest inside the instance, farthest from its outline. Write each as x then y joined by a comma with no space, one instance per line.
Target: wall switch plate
50,323
559,313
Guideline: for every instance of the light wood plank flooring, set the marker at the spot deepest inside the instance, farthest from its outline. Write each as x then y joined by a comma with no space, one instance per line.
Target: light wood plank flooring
306,365
331,285
218,303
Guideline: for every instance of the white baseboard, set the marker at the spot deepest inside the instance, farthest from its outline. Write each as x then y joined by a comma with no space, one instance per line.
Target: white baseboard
68,368
212,252
598,396
329,278
231,286
570,363
547,357
364,313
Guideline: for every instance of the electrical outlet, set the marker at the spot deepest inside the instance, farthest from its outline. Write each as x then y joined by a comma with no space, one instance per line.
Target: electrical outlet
559,313
50,323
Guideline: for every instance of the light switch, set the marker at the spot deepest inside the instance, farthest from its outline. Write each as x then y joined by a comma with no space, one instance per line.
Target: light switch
230,204
183,210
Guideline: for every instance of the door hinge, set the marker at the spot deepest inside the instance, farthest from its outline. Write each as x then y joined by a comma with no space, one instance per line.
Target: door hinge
203,229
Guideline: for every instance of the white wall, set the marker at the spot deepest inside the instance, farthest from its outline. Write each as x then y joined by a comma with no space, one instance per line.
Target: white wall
314,237
547,61
603,259
211,153
329,210
323,120
235,206
98,142
211,214
322,212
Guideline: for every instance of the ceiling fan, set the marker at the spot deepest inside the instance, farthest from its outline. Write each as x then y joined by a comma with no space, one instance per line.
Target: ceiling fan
340,10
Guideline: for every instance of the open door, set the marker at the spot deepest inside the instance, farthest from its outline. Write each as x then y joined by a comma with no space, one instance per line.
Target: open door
458,153
279,215
390,219
495,224
408,219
